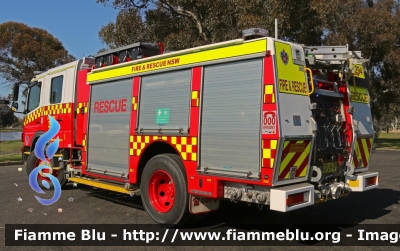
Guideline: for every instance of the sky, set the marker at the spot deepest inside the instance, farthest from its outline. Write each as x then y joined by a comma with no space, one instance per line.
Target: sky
75,23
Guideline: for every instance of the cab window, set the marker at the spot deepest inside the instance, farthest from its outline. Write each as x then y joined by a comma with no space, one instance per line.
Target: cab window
56,89
34,97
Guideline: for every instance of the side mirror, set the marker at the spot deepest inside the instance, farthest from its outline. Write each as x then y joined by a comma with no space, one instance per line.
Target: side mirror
15,93
14,105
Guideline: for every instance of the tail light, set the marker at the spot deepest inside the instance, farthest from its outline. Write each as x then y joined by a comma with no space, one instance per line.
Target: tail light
295,199
22,137
371,181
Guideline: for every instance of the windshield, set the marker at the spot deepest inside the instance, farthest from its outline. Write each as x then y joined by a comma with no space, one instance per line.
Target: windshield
34,97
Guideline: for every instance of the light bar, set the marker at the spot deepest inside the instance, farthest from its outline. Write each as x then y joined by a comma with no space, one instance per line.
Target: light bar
128,53
254,33
296,198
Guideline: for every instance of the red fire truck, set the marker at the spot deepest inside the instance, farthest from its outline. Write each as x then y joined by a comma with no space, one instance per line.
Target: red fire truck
256,119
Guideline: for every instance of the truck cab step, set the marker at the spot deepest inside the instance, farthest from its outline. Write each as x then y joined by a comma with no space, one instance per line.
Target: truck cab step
104,185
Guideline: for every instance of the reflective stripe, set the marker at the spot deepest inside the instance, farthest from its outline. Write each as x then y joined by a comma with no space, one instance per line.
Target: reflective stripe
47,110
362,150
83,105
84,143
165,61
269,95
295,154
134,103
269,152
195,98
186,146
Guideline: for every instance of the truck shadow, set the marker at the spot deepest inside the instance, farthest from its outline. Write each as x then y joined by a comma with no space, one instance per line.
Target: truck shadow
343,215
354,209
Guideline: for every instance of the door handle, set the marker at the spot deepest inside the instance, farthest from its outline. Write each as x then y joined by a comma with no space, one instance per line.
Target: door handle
37,122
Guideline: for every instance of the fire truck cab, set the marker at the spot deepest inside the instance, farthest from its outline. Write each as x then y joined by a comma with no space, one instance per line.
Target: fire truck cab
257,120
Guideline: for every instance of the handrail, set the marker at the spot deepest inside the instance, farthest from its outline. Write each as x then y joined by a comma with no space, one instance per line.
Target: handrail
312,81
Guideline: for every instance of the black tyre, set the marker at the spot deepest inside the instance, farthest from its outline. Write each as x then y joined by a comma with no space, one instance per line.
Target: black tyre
33,162
164,190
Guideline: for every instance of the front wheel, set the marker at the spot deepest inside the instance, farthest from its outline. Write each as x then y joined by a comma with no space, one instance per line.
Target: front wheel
33,162
164,190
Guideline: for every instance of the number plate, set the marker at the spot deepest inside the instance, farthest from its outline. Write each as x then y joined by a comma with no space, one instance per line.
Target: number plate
329,167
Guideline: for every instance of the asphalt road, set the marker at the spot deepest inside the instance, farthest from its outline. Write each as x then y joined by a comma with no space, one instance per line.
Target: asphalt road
95,206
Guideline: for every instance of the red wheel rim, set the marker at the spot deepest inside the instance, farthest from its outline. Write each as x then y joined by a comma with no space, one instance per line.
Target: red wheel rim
38,163
161,191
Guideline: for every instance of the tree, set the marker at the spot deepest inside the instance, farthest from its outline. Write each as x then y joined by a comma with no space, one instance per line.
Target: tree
118,34
6,116
370,26
182,24
24,50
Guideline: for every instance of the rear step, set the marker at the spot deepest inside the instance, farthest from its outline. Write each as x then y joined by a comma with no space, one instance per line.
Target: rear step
365,181
104,185
55,155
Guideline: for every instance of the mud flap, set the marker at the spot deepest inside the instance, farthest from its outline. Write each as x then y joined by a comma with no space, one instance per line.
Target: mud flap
199,205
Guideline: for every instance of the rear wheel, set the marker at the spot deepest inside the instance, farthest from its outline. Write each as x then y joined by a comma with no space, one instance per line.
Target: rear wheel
164,190
34,162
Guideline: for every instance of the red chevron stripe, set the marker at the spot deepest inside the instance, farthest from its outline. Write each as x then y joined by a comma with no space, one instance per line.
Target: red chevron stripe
287,148
355,157
302,166
292,161
369,144
364,158
290,164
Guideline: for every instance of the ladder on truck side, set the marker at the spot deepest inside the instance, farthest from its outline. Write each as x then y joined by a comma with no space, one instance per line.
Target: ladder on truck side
333,55
334,58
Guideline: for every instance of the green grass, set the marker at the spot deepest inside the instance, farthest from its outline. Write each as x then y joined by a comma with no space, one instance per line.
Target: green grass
388,141
10,146
11,129
11,157
10,150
